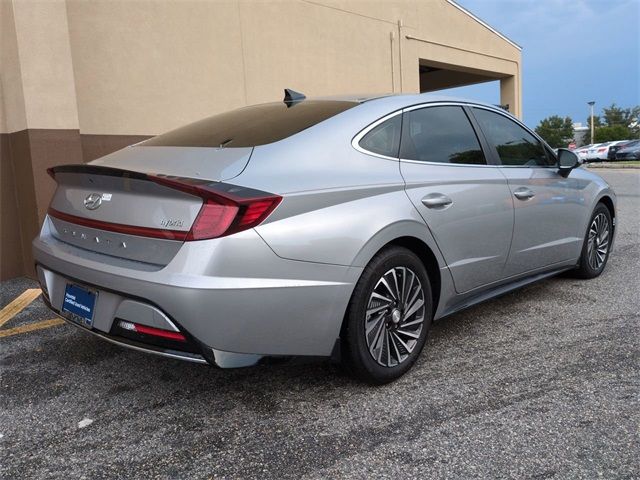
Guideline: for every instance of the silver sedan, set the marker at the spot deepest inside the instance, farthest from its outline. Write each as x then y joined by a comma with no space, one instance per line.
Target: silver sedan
336,227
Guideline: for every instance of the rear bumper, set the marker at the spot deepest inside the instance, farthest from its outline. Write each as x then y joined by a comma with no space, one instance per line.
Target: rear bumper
233,296
122,342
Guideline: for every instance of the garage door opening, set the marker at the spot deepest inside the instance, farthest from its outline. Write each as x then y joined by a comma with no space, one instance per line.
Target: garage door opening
491,87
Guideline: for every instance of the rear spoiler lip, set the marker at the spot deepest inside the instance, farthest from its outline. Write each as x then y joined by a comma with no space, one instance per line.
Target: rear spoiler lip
96,169
159,178
199,187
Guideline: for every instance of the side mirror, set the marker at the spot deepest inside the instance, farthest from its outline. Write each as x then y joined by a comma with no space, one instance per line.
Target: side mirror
567,161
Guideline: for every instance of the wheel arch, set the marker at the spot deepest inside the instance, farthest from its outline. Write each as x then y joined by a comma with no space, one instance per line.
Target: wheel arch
428,259
609,202
416,238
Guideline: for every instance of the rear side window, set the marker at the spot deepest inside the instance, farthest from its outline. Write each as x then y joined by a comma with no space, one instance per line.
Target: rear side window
384,139
514,144
252,126
440,134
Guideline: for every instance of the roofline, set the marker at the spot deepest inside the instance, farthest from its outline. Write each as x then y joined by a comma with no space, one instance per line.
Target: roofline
484,24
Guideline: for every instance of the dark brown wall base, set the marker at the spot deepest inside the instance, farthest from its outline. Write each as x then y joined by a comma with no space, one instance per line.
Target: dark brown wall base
27,189
11,261
96,146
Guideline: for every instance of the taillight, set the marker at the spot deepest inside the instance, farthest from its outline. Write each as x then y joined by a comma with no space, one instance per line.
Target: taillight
226,208
600,150
212,221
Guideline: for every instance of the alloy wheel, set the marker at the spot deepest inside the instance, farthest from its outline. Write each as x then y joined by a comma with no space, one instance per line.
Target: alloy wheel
598,241
395,316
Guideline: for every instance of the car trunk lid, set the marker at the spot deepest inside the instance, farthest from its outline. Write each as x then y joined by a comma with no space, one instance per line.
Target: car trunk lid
120,213
144,211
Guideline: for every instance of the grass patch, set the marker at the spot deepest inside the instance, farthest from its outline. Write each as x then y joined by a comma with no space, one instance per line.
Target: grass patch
613,164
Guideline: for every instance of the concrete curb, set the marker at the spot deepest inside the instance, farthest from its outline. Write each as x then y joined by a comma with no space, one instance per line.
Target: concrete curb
611,165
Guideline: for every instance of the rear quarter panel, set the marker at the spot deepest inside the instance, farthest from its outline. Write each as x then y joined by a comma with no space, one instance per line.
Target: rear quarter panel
339,204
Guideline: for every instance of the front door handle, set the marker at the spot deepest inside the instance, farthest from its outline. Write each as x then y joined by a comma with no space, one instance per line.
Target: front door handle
523,193
436,200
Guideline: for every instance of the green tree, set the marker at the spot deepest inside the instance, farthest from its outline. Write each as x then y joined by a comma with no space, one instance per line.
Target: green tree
618,124
615,115
610,133
555,130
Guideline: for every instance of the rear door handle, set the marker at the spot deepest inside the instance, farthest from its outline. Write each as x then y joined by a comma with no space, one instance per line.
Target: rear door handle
436,200
523,193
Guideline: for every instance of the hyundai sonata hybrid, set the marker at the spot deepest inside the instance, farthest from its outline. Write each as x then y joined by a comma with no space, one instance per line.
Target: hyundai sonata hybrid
335,227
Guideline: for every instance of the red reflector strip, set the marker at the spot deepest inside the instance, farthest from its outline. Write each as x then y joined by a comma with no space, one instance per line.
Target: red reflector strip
157,332
119,228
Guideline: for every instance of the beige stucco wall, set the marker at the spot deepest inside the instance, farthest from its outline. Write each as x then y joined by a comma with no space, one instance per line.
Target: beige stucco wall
147,66
47,82
13,111
124,67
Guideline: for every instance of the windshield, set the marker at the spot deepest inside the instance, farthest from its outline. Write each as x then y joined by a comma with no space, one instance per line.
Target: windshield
252,126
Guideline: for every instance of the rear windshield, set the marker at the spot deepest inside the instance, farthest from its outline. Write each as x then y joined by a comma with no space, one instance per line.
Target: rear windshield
251,126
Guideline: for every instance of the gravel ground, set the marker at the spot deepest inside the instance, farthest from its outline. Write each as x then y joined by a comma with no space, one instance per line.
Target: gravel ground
541,383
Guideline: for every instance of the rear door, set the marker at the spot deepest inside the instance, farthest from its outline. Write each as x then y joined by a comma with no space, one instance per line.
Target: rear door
464,201
548,207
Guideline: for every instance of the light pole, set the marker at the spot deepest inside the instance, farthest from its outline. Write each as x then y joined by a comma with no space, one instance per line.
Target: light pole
591,104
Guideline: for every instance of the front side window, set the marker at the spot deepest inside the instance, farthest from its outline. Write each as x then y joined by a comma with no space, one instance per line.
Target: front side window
384,139
515,146
440,134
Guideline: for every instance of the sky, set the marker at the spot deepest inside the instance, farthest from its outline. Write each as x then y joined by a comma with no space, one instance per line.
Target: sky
573,51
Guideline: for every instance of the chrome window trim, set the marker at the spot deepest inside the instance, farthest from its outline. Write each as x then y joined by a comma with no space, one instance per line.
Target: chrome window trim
436,104
443,164
446,164
355,142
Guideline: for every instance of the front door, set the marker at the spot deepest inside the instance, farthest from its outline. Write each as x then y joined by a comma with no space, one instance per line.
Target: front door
465,202
548,207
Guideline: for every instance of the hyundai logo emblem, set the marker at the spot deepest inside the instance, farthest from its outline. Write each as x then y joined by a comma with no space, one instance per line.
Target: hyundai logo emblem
93,201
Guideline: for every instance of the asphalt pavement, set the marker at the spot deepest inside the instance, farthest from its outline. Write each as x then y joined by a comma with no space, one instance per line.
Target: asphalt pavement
541,383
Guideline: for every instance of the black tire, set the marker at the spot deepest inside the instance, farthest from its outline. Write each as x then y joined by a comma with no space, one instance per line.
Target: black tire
356,354
586,268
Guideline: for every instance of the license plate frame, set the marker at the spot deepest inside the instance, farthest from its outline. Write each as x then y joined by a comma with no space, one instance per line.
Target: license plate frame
78,304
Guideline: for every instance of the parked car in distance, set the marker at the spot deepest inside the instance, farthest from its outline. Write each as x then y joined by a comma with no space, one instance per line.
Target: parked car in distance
603,151
630,151
327,228
582,152
598,152
611,154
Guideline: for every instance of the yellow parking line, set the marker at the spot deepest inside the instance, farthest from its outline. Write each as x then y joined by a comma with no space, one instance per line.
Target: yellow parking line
30,327
15,307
